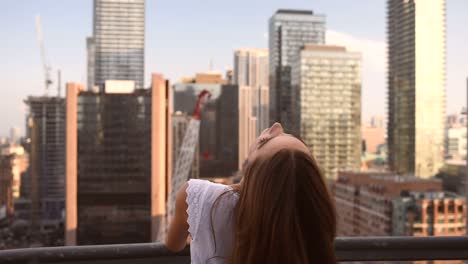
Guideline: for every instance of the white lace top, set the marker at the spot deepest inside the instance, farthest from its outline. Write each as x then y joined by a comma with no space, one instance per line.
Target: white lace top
203,219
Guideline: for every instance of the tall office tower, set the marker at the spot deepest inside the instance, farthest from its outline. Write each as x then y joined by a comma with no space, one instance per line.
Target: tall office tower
251,71
180,122
416,86
289,30
251,67
247,123
118,163
326,86
46,174
15,134
118,42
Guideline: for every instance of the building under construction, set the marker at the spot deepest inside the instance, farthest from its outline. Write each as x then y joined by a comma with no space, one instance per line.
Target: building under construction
46,175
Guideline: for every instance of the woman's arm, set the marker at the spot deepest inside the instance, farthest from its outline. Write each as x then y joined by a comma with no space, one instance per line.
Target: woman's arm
178,229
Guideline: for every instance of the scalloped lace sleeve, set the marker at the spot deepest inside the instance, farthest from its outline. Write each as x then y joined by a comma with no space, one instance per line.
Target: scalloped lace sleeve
195,193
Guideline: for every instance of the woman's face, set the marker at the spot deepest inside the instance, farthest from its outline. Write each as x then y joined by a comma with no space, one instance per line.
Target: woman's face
271,140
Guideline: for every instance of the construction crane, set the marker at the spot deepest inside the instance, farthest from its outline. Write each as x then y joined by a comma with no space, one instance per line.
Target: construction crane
47,68
185,157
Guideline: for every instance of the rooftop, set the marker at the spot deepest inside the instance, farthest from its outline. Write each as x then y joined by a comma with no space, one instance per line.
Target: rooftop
259,51
435,195
295,11
455,162
316,47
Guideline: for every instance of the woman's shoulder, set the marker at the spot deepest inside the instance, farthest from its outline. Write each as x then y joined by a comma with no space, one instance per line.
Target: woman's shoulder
201,196
202,186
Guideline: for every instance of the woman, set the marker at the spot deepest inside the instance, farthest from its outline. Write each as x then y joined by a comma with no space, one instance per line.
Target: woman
281,212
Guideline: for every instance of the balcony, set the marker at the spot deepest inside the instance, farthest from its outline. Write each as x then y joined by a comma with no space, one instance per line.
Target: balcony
347,249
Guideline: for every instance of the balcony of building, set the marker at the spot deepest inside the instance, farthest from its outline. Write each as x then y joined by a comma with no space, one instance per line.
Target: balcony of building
355,249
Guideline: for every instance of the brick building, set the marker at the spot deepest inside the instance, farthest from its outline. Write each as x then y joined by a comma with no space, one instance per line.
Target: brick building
382,204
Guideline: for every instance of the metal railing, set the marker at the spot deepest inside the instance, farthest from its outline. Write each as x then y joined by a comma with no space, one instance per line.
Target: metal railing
347,249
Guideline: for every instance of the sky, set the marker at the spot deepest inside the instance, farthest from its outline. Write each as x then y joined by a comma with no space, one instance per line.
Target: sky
183,36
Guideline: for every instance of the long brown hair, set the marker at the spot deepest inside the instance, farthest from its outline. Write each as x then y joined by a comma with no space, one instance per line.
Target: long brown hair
285,213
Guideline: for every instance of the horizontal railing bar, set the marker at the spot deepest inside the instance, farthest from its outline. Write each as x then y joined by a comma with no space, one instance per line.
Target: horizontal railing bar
93,252
401,248
347,249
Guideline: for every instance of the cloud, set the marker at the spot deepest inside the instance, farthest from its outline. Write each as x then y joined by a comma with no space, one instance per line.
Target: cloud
374,64
374,52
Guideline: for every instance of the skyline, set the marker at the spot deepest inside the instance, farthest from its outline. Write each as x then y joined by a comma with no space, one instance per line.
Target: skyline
176,48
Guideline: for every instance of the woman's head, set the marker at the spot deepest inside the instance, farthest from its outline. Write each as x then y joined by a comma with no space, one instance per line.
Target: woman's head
285,213
277,140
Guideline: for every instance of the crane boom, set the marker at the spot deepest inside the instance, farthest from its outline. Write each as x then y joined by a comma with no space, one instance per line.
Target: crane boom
47,69
185,158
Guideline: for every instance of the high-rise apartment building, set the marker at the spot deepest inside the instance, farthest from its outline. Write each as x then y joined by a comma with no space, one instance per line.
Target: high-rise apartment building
118,163
416,86
116,50
46,174
384,204
289,31
326,89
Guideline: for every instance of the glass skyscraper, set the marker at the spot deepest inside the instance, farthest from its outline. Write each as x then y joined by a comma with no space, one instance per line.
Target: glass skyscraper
416,86
118,44
289,30
326,86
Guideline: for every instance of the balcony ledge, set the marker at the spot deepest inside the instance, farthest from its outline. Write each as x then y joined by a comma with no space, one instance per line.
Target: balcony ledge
347,249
